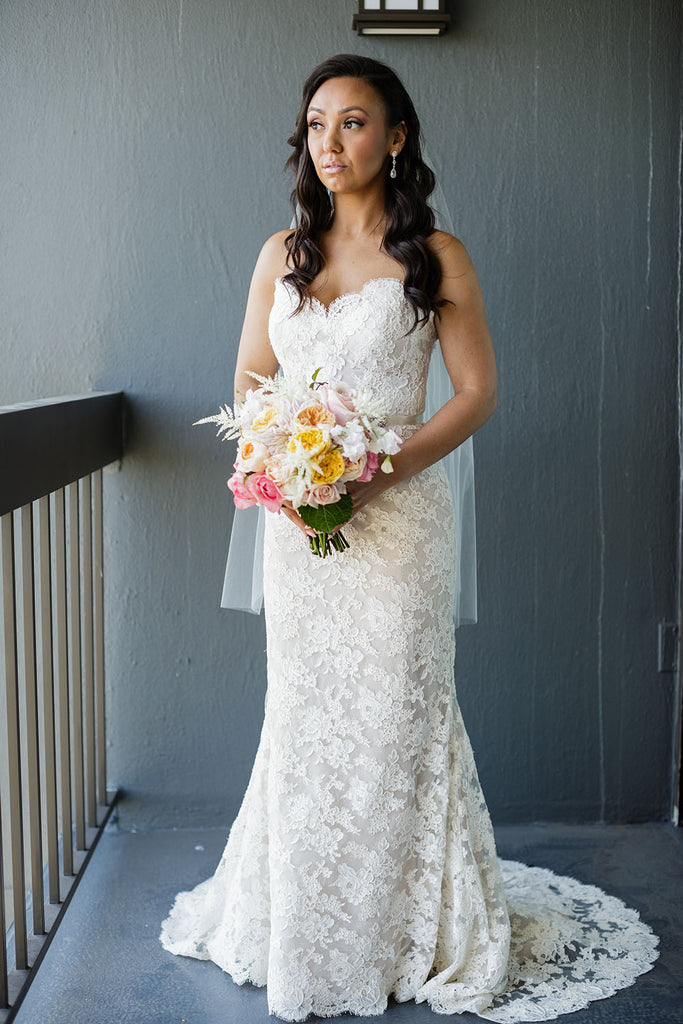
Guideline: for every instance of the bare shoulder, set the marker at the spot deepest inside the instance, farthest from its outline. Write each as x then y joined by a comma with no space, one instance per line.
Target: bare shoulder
272,260
255,351
451,253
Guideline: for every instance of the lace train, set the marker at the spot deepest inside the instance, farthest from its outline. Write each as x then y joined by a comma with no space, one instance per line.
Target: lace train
571,943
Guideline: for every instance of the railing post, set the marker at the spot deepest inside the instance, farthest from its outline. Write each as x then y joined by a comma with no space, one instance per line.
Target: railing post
31,706
47,671
4,987
98,615
75,663
88,654
63,684
13,742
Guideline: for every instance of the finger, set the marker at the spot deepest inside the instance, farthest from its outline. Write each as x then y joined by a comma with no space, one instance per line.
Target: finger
295,518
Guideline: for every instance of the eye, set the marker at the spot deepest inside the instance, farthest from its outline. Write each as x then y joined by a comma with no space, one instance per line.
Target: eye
314,124
353,121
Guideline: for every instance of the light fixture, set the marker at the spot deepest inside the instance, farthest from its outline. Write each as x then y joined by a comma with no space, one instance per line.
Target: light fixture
401,18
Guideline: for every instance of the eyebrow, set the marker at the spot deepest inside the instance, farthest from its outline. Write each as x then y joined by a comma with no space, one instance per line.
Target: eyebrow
344,110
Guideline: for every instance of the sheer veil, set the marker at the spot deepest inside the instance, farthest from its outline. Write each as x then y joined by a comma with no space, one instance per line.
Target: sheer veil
459,464
243,584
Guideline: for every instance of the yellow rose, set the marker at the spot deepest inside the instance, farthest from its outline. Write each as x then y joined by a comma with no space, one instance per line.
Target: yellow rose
312,441
264,419
331,467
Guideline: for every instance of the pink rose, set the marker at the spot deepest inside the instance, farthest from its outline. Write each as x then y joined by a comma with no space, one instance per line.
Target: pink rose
322,494
338,401
243,498
265,491
370,468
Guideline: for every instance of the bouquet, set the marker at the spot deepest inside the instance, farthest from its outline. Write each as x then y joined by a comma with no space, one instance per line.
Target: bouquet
302,443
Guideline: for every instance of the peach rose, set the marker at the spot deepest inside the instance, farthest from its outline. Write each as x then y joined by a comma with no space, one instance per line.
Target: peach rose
276,469
264,420
354,470
252,456
314,416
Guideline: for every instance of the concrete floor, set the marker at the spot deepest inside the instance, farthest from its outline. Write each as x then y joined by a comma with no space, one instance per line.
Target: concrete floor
106,966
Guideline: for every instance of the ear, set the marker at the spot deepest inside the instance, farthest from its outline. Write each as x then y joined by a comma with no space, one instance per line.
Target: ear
399,134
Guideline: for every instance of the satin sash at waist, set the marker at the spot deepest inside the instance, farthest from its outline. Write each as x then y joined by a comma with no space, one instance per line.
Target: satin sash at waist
405,421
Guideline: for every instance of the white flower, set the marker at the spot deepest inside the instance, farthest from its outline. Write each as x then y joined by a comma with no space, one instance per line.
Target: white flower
351,438
251,406
295,489
391,442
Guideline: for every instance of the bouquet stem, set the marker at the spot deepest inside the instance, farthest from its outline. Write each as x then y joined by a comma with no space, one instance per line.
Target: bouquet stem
323,543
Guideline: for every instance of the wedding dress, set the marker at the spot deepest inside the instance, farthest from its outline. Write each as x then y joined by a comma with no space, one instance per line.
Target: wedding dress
362,861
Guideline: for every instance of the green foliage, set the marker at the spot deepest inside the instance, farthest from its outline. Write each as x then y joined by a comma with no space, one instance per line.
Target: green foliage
325,518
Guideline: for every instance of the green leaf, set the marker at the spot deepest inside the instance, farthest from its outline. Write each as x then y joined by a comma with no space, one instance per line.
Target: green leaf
326,517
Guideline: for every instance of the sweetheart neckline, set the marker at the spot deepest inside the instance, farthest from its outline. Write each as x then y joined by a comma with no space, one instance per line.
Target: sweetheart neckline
327,310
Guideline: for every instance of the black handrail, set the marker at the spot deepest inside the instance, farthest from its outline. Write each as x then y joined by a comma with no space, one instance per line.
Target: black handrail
49,443
52,453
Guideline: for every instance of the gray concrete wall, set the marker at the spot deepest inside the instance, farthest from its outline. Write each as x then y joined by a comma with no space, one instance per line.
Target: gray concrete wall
142,152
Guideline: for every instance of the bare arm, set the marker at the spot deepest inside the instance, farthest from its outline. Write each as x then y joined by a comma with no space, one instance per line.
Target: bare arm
468,355
255,352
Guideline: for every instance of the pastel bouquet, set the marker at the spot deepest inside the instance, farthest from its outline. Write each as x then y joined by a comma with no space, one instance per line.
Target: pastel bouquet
302,443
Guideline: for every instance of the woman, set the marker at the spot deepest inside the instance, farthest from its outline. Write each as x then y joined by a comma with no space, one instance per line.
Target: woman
362,862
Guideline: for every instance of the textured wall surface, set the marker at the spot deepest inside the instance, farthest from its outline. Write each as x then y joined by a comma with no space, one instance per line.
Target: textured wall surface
143,147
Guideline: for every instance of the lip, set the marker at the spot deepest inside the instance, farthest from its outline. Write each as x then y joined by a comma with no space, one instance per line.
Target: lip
333,168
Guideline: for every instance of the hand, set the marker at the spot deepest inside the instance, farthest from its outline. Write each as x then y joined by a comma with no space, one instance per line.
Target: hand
294,517
363,494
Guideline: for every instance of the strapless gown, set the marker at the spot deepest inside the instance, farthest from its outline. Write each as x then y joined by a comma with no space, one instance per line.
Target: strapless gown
362,862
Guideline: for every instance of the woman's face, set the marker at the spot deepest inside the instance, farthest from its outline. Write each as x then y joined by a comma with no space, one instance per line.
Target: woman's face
348,135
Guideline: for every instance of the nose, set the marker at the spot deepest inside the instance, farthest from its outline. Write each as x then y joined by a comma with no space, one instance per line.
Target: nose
332,141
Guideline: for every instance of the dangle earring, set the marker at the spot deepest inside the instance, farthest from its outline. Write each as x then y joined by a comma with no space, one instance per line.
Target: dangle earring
392,172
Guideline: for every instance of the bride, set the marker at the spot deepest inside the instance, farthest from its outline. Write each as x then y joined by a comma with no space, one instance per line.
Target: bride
362,862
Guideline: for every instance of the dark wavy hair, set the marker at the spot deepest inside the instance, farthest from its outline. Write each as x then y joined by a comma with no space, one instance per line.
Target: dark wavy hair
410,219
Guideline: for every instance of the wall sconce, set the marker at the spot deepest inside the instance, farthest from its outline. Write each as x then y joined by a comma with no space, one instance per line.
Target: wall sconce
401,18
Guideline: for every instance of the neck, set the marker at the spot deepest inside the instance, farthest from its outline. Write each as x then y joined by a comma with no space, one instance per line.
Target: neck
359,215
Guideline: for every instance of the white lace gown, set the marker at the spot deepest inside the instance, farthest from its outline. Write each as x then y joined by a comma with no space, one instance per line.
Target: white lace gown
362,861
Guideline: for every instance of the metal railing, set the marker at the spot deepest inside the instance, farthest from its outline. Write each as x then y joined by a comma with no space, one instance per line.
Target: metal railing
54,801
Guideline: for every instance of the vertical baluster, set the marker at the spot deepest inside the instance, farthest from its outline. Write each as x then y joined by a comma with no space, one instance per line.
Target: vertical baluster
13,741
98,608
88,654
31,704
48,700
4,993
75,664
63,683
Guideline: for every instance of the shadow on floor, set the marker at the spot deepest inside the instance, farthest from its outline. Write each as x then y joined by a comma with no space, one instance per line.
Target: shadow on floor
106,966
